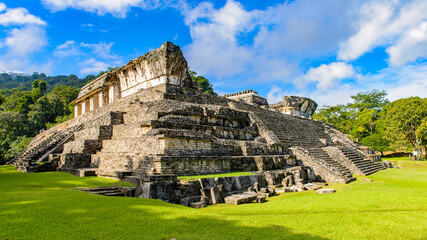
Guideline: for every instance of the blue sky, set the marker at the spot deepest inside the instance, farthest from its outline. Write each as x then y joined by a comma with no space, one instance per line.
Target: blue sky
322,49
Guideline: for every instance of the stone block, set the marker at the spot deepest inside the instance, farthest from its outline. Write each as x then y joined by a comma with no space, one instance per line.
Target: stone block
245,197
310,186
207,182
206,196
288,181
272,191
260,199
367,180
324,191
197,205
217,195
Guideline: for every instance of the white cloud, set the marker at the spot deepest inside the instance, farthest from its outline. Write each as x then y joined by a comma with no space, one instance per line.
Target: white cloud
67,49
382,23
400,82
25,36
24,41
217,48
410,47
92,57
92,66
275,95
2,7
18,16
326,76
71,48
118,8
303,29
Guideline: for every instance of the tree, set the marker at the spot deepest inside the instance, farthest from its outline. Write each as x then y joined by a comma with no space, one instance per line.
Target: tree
39,89
202,82
12,125
376,142
404,119
421,133
373,99
339,116
359,118
65,93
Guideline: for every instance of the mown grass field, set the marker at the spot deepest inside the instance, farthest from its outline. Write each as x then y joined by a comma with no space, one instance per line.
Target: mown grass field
43,206
404,162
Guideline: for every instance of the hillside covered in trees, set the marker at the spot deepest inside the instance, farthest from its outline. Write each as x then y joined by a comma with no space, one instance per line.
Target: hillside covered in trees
24,82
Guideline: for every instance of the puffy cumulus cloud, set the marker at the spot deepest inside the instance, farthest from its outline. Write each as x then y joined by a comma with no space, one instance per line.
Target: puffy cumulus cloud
410,47
400,82
384,23
25,35
18,16
92,66
93,57
215,49
118,8
326,76
275,95
218,46
305,28
24,41
67,49
2,7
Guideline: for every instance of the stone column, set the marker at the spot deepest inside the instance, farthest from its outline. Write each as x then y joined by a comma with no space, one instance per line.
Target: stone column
83,107
101,99
91,107
76,110
111,94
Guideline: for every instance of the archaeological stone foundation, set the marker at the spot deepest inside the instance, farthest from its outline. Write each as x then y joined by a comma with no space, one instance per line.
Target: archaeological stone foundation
147,122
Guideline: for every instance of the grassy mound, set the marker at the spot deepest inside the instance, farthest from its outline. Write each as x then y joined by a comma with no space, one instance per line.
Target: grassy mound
43,206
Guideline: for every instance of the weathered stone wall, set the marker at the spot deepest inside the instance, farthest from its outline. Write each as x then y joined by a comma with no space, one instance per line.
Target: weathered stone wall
214,190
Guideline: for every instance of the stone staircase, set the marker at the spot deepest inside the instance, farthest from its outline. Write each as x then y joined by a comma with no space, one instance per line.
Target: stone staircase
365,165
76,155
290,130
39,156
321,154
326,167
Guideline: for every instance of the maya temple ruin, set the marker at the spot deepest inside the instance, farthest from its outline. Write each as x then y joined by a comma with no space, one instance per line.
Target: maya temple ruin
147,122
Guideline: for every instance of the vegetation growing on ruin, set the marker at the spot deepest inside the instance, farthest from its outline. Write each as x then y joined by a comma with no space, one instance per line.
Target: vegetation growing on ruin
44,206
202,82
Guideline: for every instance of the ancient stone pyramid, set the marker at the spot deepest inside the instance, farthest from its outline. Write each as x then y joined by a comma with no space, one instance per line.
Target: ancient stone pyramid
148,117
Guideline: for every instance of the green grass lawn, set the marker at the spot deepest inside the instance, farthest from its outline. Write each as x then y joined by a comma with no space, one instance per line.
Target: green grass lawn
43,206
404,162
